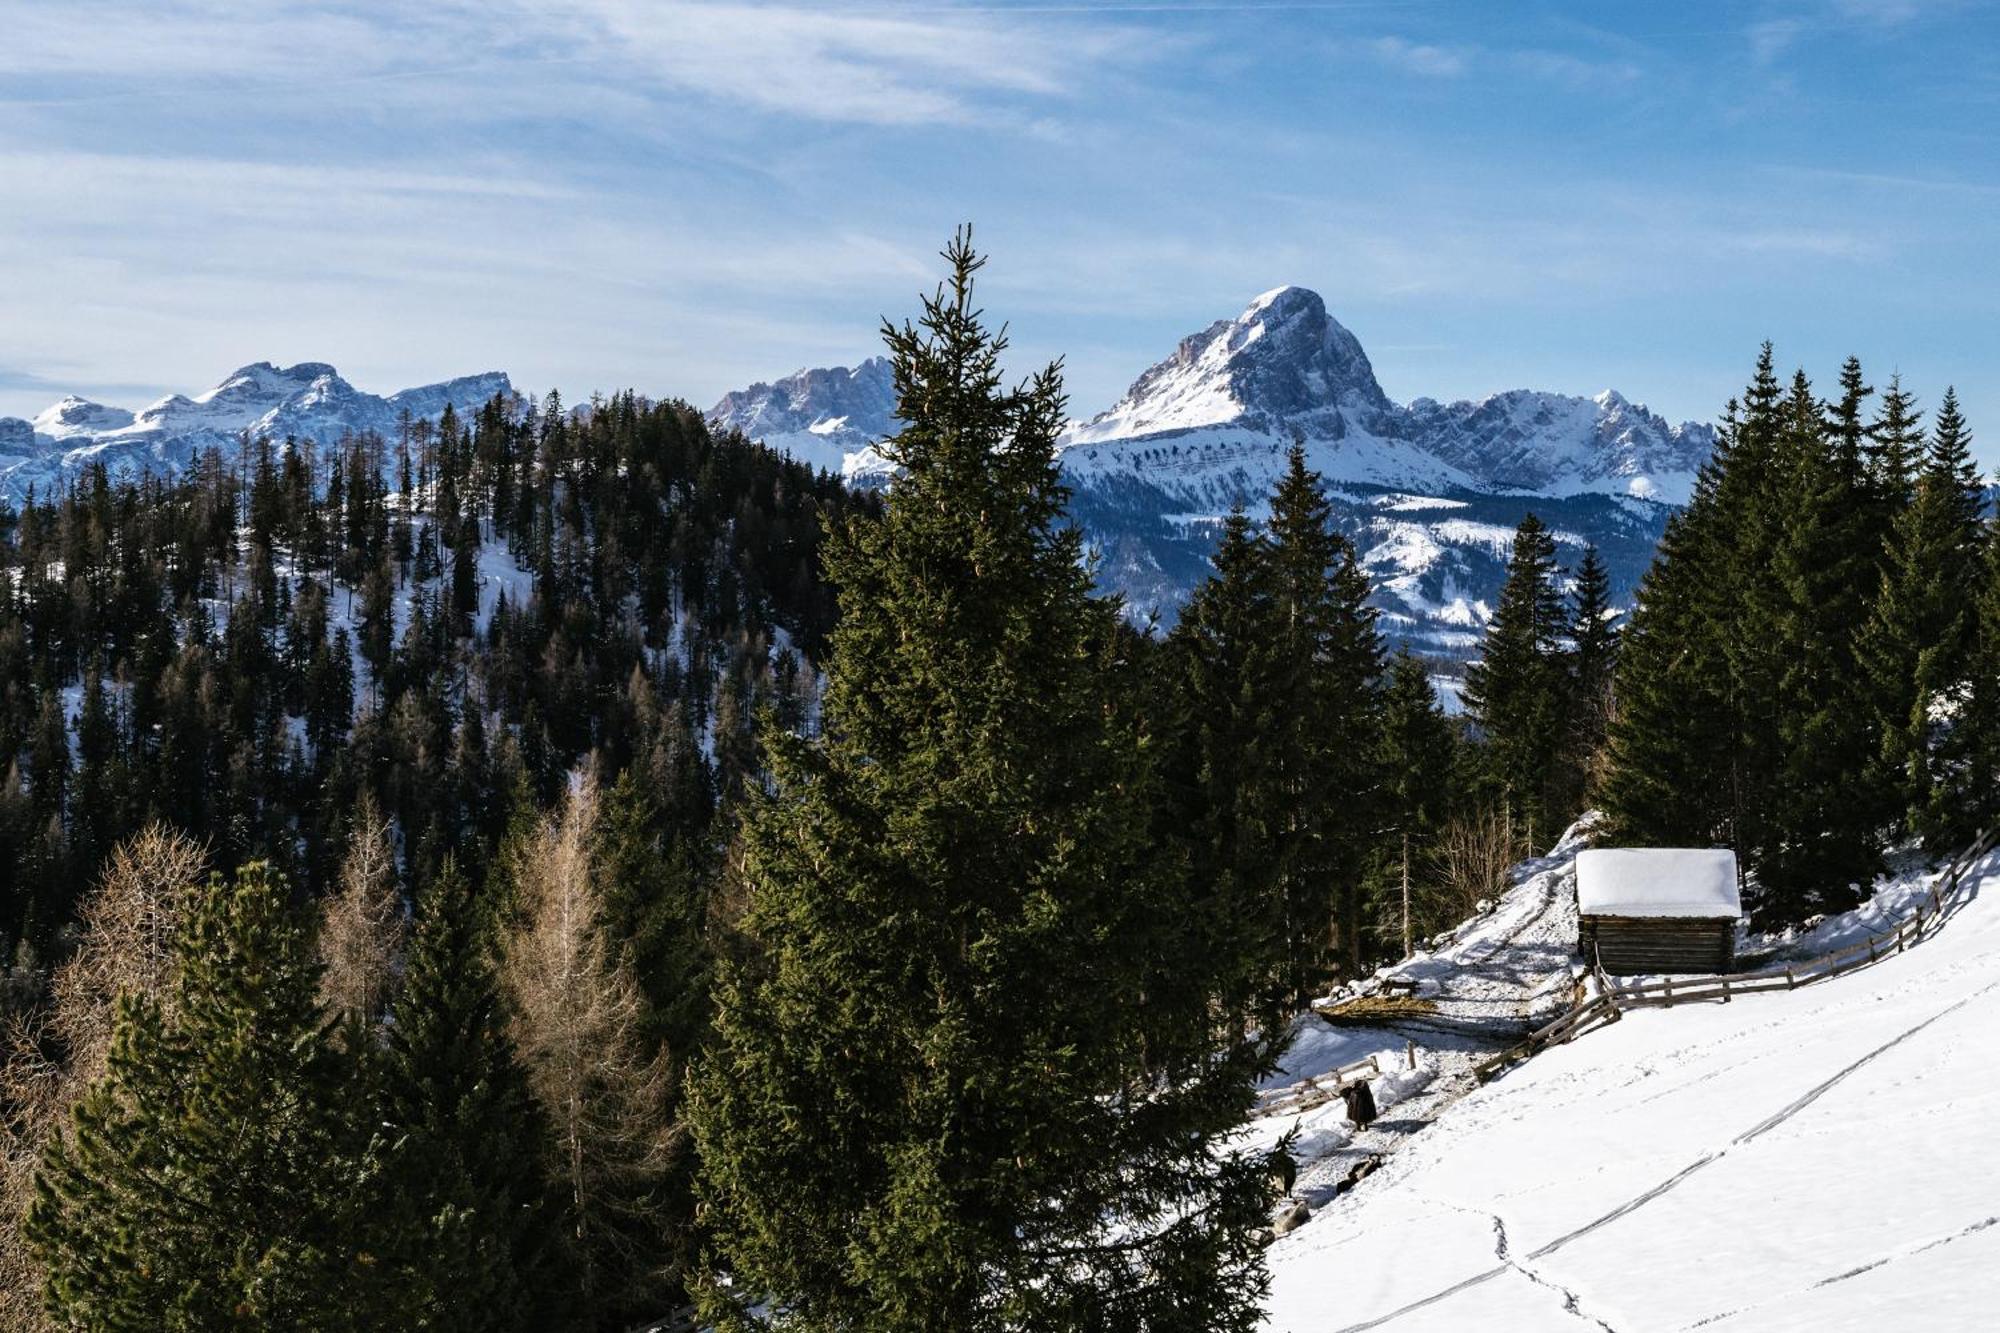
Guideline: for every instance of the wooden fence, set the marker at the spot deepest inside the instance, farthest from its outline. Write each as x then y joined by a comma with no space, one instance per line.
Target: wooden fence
1613,999
1323,1088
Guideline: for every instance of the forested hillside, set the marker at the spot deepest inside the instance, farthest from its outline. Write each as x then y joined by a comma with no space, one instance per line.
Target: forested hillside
447,623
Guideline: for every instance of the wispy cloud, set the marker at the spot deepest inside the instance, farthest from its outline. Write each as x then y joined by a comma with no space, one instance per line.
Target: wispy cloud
1575,71
882,67
1771,38
1436,61
1439,62
879,68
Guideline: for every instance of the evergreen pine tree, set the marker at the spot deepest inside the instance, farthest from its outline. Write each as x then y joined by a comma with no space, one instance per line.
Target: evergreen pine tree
1420,767
1673,735
1920,637
218,1177
1515,690
1894,454
1593,658
1324,728
483,1250
1755,498
656,901
1226,803
1820,844
952,1088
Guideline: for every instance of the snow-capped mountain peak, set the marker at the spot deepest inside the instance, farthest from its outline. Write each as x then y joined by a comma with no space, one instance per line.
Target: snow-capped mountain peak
828,418
1283,364
79,416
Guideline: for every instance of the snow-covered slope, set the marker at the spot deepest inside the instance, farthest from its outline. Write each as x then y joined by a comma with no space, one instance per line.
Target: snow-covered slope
1430,493
1811,1160
308,401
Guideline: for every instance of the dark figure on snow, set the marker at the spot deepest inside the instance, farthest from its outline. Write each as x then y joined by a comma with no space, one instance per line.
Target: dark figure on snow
1360,1102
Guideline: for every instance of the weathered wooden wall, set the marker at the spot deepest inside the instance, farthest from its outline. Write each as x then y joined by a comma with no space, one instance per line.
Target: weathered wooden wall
1631,945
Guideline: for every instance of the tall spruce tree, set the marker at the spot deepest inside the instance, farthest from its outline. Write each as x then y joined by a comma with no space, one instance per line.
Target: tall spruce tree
1591,663
1224,802
1755,498
1672,745
1894,453
1515,691
1820,845
1918,643
1324,731
1420,768
483,1249
952,1088
220,1176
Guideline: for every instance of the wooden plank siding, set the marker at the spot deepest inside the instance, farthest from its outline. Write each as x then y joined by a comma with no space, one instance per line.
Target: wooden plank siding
1638,945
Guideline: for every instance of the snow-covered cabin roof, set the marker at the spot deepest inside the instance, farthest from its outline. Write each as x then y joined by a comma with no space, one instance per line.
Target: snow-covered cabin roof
1658,881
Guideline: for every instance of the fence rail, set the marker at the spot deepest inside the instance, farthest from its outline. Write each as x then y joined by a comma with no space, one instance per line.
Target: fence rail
1613,999
1320,1089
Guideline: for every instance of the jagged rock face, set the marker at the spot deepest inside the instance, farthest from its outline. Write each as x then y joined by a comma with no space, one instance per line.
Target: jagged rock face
308,401
1430,493
17,438
828,418
1523,440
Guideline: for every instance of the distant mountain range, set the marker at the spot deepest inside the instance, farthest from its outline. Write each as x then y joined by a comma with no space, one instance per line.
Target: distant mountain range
309,401
1430,492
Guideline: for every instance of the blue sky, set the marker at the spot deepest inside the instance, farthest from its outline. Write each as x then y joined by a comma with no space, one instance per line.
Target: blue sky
594,194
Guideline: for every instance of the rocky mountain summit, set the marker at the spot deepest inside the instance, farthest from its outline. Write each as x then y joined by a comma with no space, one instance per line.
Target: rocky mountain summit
828,418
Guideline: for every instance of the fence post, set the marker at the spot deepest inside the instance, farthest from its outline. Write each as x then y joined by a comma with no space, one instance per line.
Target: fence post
1670,992
1725,990
1410,1050
1791,982
1871,948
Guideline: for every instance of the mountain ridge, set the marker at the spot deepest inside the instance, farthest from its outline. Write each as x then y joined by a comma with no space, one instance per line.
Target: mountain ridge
306,401
1429,492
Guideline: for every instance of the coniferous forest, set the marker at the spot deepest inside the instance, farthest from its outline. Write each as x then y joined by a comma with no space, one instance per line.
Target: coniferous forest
561,868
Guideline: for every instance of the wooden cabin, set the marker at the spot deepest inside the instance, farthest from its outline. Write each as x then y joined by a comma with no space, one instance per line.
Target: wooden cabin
1644,910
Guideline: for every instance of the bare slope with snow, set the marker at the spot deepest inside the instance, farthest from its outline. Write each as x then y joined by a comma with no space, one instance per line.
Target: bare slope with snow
1809,1160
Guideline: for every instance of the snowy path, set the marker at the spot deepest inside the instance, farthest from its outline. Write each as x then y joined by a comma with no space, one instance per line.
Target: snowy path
1504,973
1820,1159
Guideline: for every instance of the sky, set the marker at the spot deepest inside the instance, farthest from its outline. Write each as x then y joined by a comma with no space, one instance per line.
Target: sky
685,198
